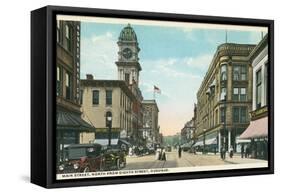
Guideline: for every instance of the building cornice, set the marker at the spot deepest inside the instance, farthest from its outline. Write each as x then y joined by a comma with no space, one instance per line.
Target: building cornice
109,83
225,50
258,49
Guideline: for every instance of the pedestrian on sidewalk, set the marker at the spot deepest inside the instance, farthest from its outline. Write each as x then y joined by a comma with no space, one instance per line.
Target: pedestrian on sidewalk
247,151
163,154
158,154
242,151
223,152
179,151
231,152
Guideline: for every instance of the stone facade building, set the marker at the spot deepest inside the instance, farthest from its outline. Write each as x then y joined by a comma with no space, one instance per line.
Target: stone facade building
187,132
101,97
69,123
225,98
150,131
257,131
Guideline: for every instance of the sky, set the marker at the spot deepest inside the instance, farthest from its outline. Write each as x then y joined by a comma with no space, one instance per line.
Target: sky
173,58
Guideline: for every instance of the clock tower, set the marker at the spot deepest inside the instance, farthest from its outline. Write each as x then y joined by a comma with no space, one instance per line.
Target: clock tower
128,60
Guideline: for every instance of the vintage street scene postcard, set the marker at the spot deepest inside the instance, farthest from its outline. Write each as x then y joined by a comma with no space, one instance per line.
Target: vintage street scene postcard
142,97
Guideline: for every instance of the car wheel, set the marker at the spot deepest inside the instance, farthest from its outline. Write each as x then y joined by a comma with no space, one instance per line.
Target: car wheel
87,169
118,164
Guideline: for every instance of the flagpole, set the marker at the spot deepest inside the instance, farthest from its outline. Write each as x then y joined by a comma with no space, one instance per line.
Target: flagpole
154,94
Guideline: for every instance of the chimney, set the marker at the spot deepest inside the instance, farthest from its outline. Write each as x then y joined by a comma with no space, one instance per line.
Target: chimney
89,77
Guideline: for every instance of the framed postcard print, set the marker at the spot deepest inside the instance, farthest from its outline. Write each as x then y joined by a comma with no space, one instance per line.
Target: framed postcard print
125,96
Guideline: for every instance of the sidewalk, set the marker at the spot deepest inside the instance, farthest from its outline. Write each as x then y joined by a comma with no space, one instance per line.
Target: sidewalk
236,159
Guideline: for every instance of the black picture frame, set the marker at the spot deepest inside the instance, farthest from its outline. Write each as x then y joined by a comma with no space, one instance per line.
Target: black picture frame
43,98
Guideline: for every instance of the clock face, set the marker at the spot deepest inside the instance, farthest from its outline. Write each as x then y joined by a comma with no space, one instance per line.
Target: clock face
127,53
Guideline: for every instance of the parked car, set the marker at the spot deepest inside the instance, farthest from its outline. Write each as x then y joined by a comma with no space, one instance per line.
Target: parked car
91,158
81,158
114,159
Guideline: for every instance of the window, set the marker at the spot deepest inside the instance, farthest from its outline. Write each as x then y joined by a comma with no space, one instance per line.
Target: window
239,72
240,115
223,93
58,81
243,73
235,93
216,117
68,86
235,114
127,78
243,95
108,97
108,119
95,97
222,114
243,114
58,32
258,89
239,94
68,36
235,73
223,72
81,96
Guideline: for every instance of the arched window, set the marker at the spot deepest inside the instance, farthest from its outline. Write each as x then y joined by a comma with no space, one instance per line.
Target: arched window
223,72
108,119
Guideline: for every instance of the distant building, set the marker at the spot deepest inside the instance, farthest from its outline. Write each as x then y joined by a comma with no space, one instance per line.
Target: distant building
150,129
103,97
187,132
257,131
225,98
69,126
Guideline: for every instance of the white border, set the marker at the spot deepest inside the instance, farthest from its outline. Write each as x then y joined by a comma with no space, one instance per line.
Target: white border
159,171
187,25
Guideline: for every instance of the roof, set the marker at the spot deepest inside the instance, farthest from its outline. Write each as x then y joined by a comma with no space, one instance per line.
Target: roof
72,121
150,102
128,34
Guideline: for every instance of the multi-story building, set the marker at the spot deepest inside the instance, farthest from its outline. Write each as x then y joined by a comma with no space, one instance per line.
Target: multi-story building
187,132
257,131
108,97
150,130
69,123
129,68
225,98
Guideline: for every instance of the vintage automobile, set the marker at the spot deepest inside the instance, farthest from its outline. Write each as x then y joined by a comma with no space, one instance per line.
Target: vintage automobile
81,158
114,159
91,158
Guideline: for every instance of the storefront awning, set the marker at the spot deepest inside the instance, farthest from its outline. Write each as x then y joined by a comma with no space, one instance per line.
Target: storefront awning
256,129
211,141
187,145
104,142
72,121
199,143
125,142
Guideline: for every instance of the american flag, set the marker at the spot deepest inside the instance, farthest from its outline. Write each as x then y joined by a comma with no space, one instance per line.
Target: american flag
157,90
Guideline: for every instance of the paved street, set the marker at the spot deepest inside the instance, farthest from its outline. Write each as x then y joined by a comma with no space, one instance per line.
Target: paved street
187,160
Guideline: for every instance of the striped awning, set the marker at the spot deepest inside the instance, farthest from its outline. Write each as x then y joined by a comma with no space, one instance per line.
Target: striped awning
256,129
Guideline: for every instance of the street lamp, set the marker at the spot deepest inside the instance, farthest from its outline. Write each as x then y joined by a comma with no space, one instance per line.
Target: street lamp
204,136
109,125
